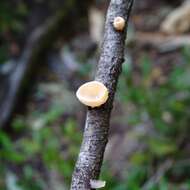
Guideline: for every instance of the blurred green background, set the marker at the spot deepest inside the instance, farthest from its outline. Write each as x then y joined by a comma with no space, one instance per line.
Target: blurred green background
149,144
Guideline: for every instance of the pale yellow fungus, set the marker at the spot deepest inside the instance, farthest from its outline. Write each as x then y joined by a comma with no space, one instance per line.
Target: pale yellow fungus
97,184
119,23
92,94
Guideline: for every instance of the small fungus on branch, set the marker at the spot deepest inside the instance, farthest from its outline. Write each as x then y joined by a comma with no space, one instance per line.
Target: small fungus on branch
97,184
92,94
119,23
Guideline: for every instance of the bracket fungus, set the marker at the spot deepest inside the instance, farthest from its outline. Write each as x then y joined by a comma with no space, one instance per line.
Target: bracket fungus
92,94
119,23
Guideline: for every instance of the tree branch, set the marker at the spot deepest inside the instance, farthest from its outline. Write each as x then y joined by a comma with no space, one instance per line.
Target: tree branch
97,120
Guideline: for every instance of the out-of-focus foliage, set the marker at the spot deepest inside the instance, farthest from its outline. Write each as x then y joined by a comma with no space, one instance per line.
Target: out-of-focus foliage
40,151
161,101
156,99
12,19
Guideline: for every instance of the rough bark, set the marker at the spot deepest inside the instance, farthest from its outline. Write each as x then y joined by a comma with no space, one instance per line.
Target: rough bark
97,120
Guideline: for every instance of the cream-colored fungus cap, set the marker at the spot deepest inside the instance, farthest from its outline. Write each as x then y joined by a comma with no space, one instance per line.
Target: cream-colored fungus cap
119,23
92,94
97,184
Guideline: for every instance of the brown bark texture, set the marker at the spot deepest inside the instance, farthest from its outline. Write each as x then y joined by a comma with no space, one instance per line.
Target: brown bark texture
96,129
